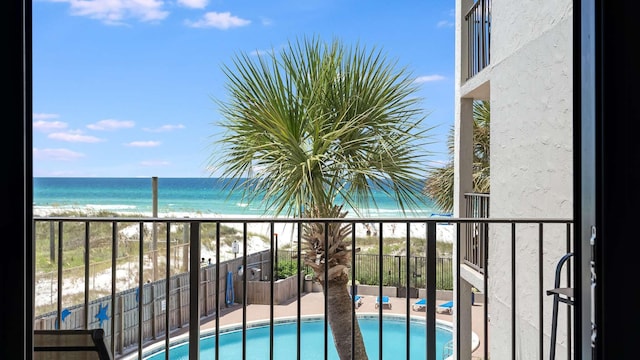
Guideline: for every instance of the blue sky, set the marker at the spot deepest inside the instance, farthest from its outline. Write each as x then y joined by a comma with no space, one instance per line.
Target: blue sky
125,88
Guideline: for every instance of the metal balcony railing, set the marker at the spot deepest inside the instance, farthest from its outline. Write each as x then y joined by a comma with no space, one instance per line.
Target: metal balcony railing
478,37
476,234
163,306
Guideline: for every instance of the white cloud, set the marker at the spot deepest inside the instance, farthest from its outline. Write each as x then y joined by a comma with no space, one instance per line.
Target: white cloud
56,154
74,136
194,4
46,126
218,20
43,116
115,12
111,124
154,163
448,23
165,128
260,52
144,143
271,51
429,78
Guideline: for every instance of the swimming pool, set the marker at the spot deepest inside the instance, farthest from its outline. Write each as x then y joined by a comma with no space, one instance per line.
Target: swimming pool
311,340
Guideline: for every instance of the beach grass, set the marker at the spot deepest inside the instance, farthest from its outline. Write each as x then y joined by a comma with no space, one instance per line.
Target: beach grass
100,245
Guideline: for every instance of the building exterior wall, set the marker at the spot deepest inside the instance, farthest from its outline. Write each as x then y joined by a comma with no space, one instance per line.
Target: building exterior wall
531,97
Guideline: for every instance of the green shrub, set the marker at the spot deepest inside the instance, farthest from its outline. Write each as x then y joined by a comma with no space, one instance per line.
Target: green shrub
286,268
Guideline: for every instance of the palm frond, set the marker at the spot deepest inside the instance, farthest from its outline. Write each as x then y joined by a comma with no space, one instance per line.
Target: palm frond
319,123
439,182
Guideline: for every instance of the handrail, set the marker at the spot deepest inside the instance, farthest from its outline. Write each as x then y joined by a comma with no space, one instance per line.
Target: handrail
559,266
195,292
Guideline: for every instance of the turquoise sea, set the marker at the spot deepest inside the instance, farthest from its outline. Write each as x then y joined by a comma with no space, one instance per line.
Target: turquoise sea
175,196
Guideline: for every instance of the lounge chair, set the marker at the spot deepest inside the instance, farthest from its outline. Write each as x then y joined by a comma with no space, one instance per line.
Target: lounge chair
385,301
445,307
357,300
420,304
70,344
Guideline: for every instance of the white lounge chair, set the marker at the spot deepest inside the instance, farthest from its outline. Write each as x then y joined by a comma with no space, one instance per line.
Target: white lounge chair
385,301
445,307
420,304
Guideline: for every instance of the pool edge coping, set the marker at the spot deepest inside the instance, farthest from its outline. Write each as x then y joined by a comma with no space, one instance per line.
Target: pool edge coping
182,338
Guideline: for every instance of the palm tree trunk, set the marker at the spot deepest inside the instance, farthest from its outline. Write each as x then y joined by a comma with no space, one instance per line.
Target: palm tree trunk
339,316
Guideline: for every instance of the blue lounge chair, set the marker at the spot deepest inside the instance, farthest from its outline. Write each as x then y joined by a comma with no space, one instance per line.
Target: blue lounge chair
385,301
420,304
357,300
445,307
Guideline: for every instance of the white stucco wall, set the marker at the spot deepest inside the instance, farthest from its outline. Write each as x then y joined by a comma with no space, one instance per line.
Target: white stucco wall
531,90
518,24
531,129
531,162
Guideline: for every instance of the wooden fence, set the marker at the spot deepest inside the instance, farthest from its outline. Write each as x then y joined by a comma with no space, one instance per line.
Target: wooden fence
122,330
259,292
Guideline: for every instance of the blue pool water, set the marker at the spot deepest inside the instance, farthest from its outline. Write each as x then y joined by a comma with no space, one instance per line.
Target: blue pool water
311,341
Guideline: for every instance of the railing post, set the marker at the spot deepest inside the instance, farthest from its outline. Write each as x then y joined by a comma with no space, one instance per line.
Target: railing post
59,281
121,344
205,296
185,249
179,300
194,291
217,295
52,241
86,274
140,288
152,310
167,289
431,290
114,266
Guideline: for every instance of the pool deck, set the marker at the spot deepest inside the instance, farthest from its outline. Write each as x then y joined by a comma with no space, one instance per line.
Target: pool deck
313,304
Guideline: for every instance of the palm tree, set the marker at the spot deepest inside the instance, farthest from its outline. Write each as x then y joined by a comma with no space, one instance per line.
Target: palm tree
439,183
312,129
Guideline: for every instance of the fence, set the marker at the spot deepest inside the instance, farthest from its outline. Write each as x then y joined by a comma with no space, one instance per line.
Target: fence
367,269
154,304
124,332
478,30
474,249
527,272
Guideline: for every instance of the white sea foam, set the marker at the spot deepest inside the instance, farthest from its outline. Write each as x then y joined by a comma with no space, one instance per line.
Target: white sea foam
110,207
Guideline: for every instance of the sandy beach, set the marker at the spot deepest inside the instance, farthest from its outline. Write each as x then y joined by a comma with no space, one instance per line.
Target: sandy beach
286,233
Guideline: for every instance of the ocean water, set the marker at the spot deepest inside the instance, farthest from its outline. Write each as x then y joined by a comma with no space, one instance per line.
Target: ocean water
204,196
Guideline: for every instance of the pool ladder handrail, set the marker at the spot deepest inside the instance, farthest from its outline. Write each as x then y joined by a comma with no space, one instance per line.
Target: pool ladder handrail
447,350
